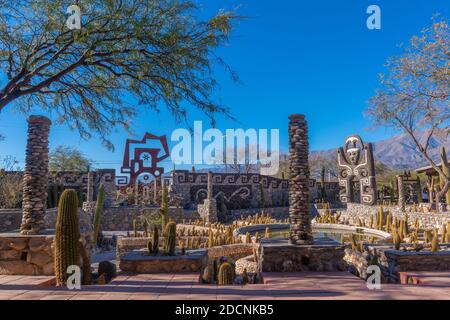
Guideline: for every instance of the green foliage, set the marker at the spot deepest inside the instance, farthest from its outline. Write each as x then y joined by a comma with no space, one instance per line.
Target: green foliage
65,158
99,211
162,53
170,238
226,274
67,235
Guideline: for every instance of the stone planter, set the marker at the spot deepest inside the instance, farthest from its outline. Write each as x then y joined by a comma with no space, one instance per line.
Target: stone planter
138,261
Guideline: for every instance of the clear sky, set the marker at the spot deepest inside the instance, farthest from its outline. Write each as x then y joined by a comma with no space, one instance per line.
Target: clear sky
293,56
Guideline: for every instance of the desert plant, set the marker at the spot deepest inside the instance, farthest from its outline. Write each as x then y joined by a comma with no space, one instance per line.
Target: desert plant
248,238
164,208
446,171
170,238
435,242
388,222
226,274
135,231
99,211
396,239
67,235
245,278
155,240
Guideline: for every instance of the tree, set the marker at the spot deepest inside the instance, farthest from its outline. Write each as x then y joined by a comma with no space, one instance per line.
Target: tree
159,52
10,183
414,96
318,162
65,158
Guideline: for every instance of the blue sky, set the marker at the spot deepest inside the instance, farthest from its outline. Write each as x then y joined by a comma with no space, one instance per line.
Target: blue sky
311,57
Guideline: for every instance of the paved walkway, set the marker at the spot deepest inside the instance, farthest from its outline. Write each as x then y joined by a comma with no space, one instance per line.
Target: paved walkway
335,285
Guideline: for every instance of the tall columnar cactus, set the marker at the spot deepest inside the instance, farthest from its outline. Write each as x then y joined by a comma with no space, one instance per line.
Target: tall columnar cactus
171,239
67,235
155,240
99,211
263,196
446,171
226,274
164,208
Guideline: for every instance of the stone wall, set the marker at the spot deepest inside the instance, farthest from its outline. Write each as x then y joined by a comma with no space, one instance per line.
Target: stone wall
392,262
294,258
31,254
10,219
426,220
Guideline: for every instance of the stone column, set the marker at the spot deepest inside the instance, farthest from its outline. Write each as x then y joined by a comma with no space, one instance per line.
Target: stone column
35,176
300,220
401,193
90,187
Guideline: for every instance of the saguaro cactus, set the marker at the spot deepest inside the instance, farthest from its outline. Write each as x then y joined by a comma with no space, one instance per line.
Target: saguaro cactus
171,238
226,274
164,209
67,235
99,211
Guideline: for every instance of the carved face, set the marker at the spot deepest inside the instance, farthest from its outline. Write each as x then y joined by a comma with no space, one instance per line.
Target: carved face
353,155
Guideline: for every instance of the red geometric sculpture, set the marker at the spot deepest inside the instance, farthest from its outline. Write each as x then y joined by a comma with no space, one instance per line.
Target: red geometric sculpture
144,159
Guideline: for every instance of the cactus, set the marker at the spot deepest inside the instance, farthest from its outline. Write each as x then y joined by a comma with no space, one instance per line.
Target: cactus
266,233
245,278
388,222
428,236
248,238
170,240
380,219
354,242
99,211
67,235
263,196
226,274
145,226
435,242
86,266
164,209
150,247
396,239
371,222
255,255
155,240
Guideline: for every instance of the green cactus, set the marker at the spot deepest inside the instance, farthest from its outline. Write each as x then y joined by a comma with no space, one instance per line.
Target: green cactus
388,222
164,208
171,238
155,240
67,235
245,278
263,196
226,274
396,239
99,211
150,247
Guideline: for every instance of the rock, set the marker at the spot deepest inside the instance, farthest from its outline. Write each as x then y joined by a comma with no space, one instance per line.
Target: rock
17,267
48,269
18,243
9,255
39,258
37,244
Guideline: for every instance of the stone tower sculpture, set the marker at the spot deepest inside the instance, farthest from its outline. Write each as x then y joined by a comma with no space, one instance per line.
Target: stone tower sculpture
356,164
35,176
300,220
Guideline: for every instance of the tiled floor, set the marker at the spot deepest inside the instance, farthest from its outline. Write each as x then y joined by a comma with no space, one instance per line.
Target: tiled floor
338,285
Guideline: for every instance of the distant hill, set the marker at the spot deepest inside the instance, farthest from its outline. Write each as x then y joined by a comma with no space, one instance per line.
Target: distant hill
399,152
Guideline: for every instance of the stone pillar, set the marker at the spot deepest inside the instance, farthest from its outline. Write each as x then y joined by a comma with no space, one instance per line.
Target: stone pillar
401,193
300,220
208,210
35,176
90,187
